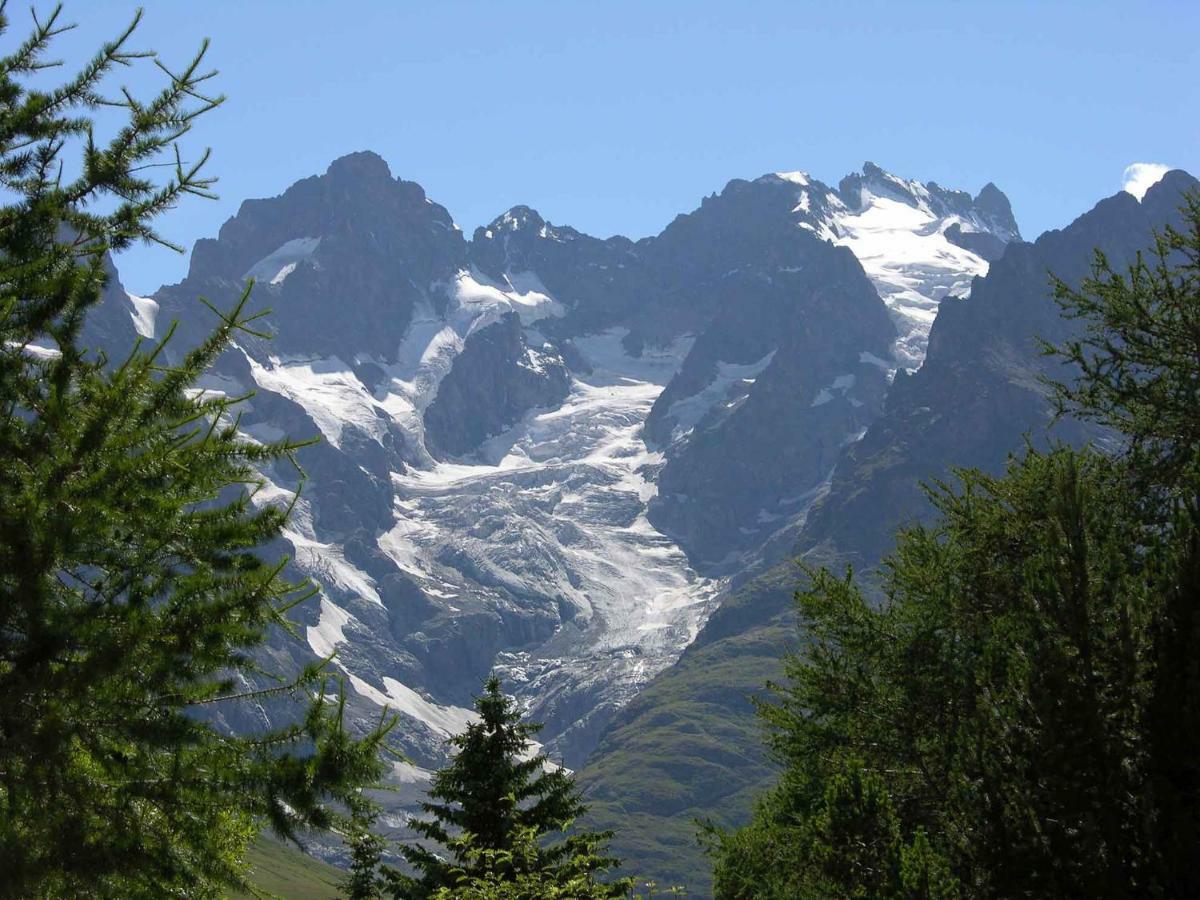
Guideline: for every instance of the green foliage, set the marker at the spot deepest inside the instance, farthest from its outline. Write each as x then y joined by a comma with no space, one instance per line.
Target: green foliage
687,747
493,811
133,589
519,873
364,881
847,844
1020,716
1140,351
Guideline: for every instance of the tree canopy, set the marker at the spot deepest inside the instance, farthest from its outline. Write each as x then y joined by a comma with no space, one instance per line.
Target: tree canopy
1020,715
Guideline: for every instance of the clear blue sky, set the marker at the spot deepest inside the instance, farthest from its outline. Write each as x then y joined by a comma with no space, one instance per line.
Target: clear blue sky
613,117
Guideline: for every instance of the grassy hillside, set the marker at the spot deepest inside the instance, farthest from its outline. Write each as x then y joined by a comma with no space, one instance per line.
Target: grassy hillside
285,872
690,747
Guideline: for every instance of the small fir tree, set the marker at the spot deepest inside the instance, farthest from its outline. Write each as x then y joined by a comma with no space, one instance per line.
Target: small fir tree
366,848
517,874
494,808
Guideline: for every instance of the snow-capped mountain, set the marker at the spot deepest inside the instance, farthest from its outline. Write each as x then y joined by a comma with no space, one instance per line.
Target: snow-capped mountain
745,457
546,453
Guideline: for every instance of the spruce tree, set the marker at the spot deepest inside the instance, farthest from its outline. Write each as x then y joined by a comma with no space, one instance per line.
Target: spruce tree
134,589
1140,363
493,811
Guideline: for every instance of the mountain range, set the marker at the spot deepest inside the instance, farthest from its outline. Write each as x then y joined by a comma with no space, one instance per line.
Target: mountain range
589,464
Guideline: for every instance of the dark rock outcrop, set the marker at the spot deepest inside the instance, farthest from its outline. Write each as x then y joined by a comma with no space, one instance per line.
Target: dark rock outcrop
758,444
496,379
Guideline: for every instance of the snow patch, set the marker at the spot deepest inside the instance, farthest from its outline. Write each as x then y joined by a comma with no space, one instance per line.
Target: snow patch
484,300
842,383
800,178
688,412
871,359
906,254
328,390
407,773
324,562
446,720
144,313
35,351
282,262
328,632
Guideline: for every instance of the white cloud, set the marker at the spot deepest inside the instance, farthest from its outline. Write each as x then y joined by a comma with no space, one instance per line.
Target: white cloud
1140,177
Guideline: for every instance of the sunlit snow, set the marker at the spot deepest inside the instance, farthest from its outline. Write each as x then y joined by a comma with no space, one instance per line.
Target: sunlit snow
277,266
144,313
905,253
800,178
555,508
485,300
446,720
329,630
688,412
34,351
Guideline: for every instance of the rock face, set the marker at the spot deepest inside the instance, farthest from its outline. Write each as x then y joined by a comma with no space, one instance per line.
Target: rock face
780,381
548,454
493,383
343,259
118,319
972,403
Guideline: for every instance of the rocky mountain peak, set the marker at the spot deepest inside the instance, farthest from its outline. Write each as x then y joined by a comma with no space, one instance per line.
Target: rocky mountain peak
1166,190
544,451
879,183
992,202
374,242
988,211
362,165
519,218
357,199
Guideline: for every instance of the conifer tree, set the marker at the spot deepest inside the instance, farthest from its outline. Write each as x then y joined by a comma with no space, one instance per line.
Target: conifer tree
494,808
133,586
366,849
1022,711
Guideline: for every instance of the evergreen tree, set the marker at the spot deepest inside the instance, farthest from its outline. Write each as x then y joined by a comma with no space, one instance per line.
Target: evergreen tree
133,586
1020,715
366,848
494,808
